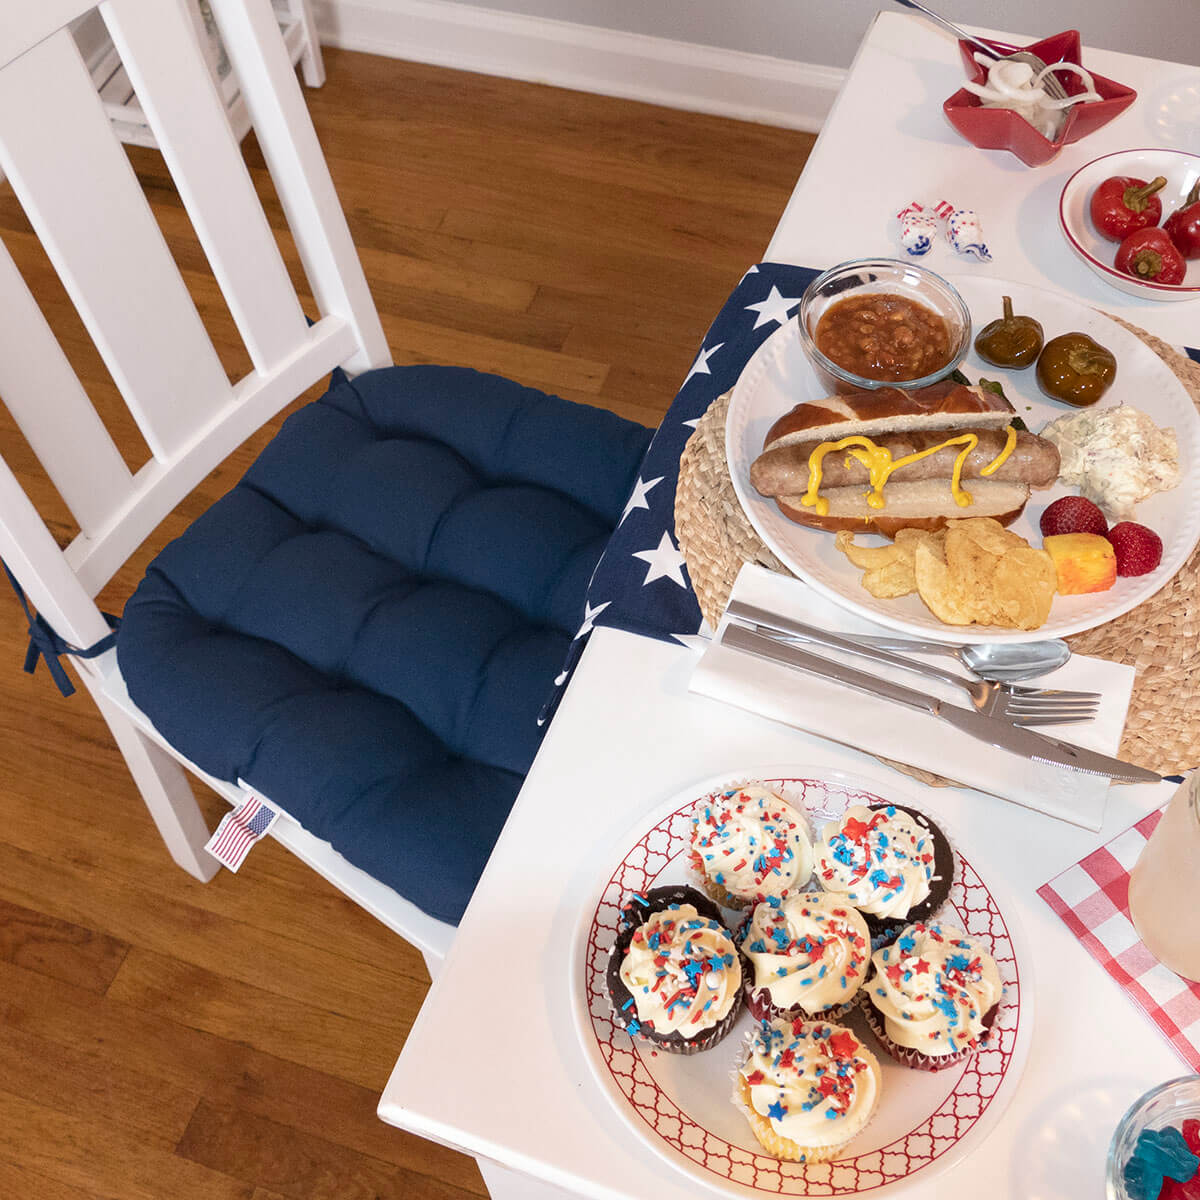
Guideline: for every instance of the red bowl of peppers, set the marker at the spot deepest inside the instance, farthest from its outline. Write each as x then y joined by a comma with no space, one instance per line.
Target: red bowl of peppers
1089,197
1002,129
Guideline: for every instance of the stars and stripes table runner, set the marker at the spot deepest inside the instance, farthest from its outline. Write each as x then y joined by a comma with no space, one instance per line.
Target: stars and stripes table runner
641,583
1092,898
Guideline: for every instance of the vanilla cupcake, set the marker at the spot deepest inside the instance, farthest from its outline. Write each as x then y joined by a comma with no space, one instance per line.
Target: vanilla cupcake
807,955
807,1088
749,844
891,863
675,975
932,996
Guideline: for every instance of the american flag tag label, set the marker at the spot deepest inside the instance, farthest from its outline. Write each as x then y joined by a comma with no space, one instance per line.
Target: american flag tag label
239,830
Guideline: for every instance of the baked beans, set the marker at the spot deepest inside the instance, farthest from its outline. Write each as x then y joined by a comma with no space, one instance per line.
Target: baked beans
881,336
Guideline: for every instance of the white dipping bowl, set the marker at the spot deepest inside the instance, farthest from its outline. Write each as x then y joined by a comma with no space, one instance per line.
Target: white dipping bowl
1181,171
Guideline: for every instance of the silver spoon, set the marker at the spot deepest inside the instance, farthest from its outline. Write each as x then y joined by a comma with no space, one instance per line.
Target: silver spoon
1050,81
1003,662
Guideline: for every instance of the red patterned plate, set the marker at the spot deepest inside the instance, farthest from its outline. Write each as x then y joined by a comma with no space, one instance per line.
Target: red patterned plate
680,1106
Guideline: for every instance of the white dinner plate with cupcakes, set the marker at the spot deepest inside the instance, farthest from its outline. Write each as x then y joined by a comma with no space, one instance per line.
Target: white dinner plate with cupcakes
780,376
893,985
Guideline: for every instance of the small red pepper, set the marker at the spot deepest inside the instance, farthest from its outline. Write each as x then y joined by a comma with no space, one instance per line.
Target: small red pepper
1122,204
1149,254
1183,225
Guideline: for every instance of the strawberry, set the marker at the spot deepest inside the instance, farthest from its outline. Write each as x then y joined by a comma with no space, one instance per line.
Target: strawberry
1073,514
1139,550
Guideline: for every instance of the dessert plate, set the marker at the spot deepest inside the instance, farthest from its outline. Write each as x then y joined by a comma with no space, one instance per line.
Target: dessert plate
779,376
680,1106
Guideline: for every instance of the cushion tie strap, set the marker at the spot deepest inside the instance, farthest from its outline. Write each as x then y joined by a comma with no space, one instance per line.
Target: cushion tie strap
45,643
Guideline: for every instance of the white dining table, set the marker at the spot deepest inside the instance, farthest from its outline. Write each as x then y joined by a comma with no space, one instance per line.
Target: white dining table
494,1065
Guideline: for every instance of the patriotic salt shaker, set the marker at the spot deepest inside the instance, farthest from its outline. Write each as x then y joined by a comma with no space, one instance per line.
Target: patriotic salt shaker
963,230
918,228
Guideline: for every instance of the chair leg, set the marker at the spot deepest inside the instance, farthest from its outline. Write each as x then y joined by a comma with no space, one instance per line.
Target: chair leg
164,786
312,66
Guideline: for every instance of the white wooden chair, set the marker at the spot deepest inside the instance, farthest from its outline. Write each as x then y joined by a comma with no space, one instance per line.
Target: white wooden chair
79,192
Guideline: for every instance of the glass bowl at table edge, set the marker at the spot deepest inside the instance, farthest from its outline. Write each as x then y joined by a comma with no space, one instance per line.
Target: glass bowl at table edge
931,291
1168,1103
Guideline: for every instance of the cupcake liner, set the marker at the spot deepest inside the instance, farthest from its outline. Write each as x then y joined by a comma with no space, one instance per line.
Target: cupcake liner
718,892
908,1057
759,1006
636,911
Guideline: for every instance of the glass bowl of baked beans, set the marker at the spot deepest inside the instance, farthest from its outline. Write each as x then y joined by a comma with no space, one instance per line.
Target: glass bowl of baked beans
881,322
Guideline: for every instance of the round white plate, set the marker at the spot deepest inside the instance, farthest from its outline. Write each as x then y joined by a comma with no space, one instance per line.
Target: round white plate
680,1106
779,376
1181,170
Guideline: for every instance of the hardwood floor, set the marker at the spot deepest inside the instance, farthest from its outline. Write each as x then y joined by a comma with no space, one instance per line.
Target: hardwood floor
166,1040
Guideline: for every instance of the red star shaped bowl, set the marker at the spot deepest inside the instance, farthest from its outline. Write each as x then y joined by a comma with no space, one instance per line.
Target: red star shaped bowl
1000,129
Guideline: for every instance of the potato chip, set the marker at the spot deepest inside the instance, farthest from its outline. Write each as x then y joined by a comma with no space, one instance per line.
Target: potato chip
973,572
867,557
1023,588
937,587
889,569
892,581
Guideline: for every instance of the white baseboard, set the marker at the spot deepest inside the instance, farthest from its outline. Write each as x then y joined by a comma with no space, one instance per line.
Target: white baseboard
727,83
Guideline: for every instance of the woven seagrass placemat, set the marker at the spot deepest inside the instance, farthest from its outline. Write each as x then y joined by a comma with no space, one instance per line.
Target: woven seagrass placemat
1159,638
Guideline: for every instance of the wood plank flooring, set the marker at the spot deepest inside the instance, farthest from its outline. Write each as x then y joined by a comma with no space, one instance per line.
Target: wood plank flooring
166,1040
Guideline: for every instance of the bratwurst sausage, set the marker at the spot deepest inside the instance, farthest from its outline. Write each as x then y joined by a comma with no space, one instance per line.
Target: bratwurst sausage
783,471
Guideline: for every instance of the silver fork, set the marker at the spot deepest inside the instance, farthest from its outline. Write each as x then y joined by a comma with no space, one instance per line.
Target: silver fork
1018,705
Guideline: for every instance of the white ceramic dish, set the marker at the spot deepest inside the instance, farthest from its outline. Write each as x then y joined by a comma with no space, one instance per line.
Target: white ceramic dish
1181,171
679,1105
779,376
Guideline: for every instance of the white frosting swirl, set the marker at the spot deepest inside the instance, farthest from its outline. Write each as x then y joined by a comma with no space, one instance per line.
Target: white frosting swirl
751,842
809,949
878,859
682,970
815,1082
933,986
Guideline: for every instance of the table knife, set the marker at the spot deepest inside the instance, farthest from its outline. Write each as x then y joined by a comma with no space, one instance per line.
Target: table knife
1015,739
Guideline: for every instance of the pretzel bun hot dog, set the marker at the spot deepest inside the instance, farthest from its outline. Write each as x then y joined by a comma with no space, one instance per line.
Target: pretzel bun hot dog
890,459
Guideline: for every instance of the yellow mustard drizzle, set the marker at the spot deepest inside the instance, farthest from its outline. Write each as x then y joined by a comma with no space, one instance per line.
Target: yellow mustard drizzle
880,465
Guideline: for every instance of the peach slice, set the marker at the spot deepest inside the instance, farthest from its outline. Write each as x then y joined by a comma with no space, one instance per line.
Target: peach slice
1085,562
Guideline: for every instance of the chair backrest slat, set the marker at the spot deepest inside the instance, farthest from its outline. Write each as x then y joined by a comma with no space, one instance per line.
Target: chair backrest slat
157,43
298,169
78,190
67,436
25,25
73,180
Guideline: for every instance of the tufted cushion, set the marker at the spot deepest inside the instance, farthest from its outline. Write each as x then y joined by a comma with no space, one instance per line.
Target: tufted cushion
367,625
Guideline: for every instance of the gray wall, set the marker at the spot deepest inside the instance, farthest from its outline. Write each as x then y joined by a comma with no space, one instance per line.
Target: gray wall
827,31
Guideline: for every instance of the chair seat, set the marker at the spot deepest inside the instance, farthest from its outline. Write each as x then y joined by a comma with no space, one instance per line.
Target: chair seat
365,628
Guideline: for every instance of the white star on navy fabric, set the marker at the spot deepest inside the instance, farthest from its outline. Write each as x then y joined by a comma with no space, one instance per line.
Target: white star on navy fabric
700,366
665,562
774,308
589,616
638,499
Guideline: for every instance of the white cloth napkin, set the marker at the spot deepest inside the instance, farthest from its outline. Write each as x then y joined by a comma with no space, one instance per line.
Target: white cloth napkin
885,728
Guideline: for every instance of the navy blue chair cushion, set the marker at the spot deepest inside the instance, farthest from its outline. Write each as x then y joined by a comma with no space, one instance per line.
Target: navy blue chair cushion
366,627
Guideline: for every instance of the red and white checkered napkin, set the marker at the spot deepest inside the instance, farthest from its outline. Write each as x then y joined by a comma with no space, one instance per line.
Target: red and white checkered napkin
1092,897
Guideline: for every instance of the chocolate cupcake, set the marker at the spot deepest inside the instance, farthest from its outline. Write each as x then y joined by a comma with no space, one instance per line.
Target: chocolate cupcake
675,975
933,996
891,863
806,956
748,844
